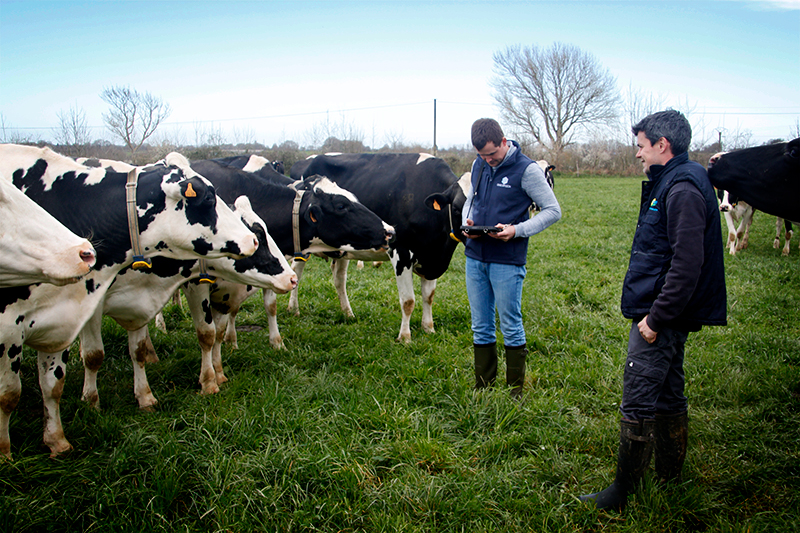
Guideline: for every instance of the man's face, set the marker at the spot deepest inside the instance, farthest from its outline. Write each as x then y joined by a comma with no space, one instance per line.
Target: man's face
492,154
650,154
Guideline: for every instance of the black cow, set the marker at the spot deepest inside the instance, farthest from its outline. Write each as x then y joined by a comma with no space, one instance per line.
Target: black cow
420,197
257,165
766,177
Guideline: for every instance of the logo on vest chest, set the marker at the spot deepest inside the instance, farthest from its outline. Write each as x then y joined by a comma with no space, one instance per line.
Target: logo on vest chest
504,183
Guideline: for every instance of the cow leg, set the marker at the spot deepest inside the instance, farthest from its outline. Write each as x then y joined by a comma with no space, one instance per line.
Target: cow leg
10,388
731,232
788,237
777,242
52,373
428,290
294,304
271,306
92,354
339,271
199,300
221,321
231,337
159,322
405,292
743,233
139,346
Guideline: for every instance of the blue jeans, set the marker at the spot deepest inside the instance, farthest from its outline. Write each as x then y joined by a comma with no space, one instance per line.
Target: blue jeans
493,286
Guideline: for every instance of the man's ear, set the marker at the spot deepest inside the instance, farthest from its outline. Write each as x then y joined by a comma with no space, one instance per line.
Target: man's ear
664,147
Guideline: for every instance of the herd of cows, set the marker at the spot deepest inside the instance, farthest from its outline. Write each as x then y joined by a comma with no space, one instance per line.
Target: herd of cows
80,239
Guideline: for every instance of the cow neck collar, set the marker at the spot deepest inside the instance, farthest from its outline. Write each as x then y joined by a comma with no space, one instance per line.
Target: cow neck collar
139,261
298,199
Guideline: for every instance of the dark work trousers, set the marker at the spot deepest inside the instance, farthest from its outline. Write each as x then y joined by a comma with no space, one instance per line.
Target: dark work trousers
653,380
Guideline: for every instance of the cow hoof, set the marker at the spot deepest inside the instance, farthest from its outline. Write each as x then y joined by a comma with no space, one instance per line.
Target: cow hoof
59,448
221,379
210,389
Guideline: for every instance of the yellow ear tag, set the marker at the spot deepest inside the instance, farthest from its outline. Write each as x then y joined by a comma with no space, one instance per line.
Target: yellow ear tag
189,191
436,206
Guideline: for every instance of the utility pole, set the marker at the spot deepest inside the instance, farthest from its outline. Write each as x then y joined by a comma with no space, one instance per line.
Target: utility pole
434,127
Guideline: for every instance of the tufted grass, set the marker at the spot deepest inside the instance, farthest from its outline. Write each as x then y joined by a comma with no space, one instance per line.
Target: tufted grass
348,430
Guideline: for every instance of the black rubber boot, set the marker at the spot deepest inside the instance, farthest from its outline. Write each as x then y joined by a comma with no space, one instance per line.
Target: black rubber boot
485,364
635,448
515,369
671,437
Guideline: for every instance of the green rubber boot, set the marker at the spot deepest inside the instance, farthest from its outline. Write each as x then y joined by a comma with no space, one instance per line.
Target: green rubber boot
485,364
515,369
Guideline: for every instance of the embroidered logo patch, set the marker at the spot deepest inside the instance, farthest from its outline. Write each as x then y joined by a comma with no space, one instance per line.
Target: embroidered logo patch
504,183
654,205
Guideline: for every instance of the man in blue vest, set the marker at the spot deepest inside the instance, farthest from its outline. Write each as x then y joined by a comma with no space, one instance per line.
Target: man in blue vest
504,184
675,284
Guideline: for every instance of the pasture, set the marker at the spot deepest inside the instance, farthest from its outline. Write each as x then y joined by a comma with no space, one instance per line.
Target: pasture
348,430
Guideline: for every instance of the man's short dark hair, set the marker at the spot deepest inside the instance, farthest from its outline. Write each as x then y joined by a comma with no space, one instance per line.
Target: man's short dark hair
671,125
485,130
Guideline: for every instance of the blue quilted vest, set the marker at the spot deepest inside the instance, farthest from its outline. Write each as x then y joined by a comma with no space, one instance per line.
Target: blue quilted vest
499,199
651,254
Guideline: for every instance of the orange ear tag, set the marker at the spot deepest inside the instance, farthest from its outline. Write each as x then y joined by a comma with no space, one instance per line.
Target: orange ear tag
314,220
189,191
436,206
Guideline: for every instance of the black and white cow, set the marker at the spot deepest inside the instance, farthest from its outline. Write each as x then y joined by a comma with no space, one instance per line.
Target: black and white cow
329,219
420,197
766,177
548,172
178,216
34,246
136,296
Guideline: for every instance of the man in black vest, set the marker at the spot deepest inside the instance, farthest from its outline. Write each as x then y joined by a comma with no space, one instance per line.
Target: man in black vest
504,184
675,284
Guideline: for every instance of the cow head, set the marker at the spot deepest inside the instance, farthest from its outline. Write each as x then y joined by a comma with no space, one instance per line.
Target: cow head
766,177
340,221
267,268
448,205
199,223
35,247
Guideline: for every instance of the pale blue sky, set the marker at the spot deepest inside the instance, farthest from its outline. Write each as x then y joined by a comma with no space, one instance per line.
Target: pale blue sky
275,70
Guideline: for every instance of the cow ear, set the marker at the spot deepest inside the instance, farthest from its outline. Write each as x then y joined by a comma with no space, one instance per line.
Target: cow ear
313,214
437,201
194,190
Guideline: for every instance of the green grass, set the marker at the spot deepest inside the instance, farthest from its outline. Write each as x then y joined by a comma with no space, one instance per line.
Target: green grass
348,430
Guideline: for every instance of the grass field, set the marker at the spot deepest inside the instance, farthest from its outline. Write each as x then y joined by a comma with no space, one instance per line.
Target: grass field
348,430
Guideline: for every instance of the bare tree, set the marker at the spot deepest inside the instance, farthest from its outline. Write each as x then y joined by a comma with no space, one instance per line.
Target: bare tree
553,94
72,131
349,137
795,131
133,116
8,134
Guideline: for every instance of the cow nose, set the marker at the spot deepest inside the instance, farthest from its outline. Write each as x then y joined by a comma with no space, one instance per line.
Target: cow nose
88,256
390,235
